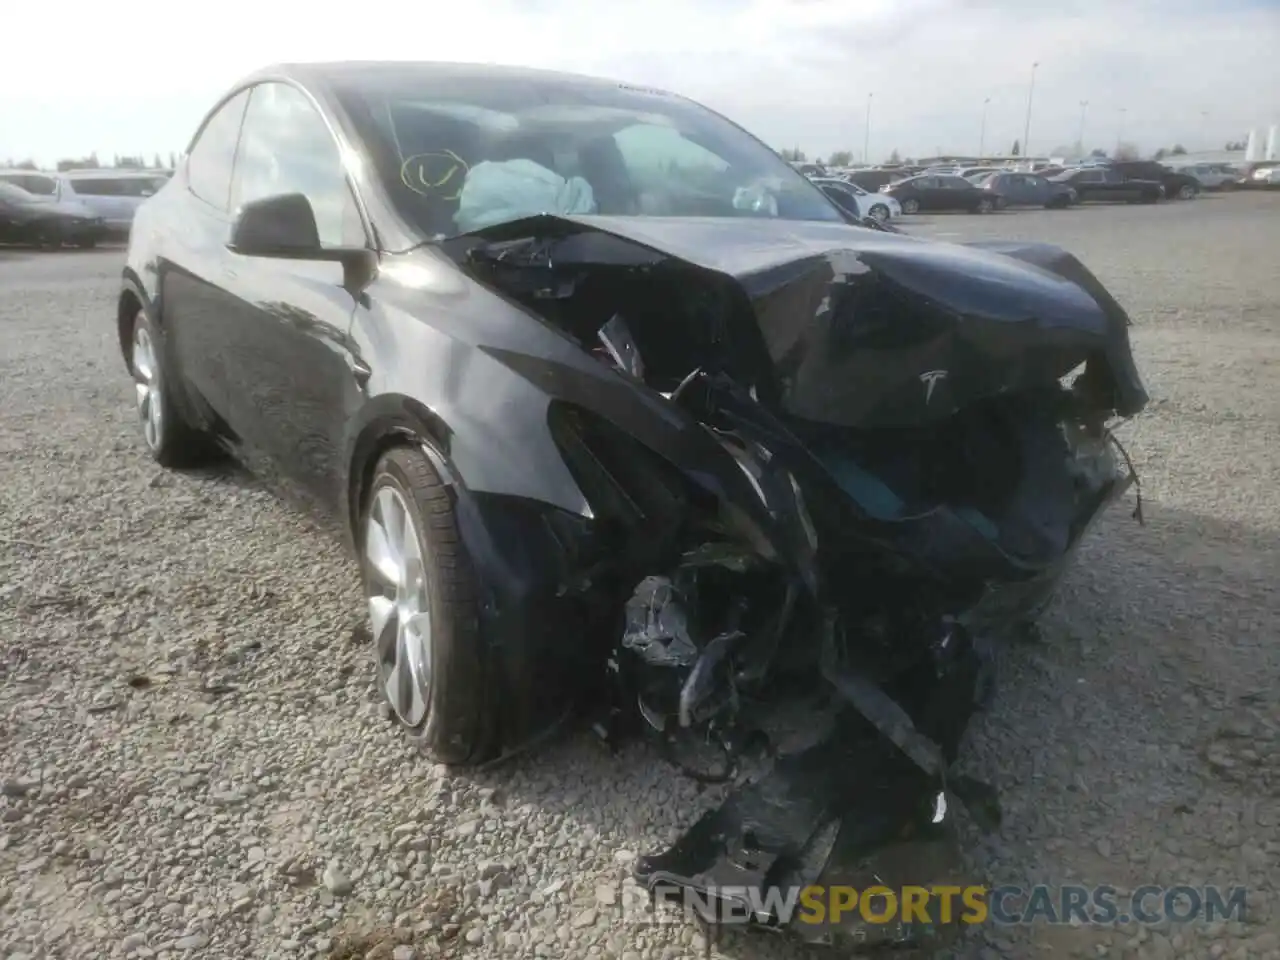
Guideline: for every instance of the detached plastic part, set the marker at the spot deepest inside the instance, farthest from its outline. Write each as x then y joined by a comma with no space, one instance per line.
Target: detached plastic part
657,628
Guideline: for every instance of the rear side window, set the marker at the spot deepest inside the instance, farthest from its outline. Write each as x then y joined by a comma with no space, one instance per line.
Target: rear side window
96,188
213,155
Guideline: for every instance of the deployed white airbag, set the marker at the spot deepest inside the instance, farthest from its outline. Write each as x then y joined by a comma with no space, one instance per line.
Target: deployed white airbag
500,191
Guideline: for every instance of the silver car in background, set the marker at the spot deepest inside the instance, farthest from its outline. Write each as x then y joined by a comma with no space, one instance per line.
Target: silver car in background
115,195
1212,176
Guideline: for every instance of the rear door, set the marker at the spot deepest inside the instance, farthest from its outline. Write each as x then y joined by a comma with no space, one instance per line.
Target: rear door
1035,190
193,271
1089,185
99,194
291,369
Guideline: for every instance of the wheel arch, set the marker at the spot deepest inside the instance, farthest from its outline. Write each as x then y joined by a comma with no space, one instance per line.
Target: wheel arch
392,421
133,297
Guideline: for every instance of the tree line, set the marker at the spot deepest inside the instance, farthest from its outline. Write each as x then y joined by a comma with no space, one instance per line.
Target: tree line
91,162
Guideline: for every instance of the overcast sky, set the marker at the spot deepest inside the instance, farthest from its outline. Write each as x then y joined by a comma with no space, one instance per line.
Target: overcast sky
137,79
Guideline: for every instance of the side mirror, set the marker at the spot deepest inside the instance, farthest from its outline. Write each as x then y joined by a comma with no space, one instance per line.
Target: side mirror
283,227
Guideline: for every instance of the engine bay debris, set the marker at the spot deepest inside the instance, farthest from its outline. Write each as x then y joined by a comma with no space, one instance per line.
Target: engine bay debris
855,463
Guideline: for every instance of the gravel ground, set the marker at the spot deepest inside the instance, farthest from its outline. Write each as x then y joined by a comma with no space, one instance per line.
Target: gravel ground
192,763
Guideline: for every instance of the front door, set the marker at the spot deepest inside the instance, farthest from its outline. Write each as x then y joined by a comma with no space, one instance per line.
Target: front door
290,366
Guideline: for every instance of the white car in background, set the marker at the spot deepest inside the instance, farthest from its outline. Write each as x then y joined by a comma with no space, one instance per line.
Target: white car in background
115,195
852,198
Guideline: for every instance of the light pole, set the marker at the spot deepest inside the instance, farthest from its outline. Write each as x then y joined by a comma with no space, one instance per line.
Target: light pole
1084,105
1026,129
982,135
866,132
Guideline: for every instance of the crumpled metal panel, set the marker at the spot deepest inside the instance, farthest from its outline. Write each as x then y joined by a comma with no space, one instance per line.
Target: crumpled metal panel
867,329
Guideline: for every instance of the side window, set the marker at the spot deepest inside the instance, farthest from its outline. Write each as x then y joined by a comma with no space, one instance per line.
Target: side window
41,186
286,147
213,156
96,188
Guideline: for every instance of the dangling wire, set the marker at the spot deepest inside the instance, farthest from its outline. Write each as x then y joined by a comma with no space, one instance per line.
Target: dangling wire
1133,473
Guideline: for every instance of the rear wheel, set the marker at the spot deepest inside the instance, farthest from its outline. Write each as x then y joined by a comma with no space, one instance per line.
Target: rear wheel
879,212
1186,192
170,440
423,613
910,206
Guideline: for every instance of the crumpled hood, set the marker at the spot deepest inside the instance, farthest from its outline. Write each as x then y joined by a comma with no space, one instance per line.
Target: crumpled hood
869,329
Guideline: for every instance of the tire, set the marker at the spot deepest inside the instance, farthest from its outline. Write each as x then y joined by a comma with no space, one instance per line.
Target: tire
1187,192
171,441
984,206
431,674
879,212
910,206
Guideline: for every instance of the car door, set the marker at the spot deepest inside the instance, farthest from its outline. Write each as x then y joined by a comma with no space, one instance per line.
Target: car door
1118,185
957,193
925,191
291,373
191,272
1035,190
1089,185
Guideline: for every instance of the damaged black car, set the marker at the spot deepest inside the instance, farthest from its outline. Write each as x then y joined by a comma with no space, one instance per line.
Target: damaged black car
623,417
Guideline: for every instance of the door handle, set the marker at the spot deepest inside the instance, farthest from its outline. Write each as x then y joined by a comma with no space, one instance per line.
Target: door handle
360,370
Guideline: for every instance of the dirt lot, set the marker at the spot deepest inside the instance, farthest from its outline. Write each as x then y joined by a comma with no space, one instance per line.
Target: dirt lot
192,764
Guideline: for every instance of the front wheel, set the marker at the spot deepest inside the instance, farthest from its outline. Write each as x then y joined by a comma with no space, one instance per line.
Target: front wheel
1186,192
423,612
880,212
910,206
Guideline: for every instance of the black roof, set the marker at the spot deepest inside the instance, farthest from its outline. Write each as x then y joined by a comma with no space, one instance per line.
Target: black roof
438,73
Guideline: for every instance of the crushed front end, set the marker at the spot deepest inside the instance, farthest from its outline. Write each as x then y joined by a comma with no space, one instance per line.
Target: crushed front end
882,456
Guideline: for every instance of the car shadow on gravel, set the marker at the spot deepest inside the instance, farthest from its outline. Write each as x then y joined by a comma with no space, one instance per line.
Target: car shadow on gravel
1140,708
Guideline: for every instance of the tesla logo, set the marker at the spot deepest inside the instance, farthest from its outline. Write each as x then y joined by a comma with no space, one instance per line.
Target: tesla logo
930,380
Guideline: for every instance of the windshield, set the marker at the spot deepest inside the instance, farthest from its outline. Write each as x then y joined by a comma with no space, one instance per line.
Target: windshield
488,149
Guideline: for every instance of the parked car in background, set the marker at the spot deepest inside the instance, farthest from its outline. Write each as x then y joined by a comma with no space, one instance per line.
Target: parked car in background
1029,190
1177,186
115,195
853,199
30,218
975,174
1260,175
873,180
1211,176
929,192
1105,183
